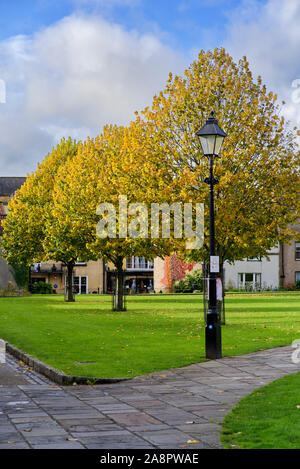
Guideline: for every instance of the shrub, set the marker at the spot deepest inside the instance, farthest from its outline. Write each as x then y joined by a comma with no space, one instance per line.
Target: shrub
182,286
21,274
289,286
191,282
11,291
297,286
41,287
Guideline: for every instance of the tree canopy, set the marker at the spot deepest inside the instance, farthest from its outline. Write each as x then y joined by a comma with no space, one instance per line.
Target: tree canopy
157,159
258,169
29,210
100,173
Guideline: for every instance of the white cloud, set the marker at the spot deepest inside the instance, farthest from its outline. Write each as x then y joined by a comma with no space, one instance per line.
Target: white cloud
269,35
82,72
72,78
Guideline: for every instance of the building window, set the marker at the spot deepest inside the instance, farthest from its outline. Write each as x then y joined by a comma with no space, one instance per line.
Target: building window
138,263
249,281
80,284
297,251
297,277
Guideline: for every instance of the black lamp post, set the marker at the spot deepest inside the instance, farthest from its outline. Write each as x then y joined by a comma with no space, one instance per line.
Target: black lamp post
211,138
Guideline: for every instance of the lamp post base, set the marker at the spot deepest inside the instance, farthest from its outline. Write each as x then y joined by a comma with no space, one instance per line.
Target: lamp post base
213,336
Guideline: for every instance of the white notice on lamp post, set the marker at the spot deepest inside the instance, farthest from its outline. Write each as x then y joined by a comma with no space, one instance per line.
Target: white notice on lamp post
214,264
219,289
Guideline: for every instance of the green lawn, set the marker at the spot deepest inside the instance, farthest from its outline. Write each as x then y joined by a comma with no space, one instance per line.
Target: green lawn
156,333
267,419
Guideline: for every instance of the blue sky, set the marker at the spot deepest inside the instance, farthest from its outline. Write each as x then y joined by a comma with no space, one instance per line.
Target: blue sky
70,66
184,24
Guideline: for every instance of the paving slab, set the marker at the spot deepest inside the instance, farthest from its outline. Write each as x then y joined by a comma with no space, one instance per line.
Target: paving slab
108,427
65,445
134,418
178,408
14,445
10,376
14,372
167,437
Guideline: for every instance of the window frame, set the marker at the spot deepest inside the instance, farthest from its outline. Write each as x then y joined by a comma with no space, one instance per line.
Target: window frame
297,251
242,282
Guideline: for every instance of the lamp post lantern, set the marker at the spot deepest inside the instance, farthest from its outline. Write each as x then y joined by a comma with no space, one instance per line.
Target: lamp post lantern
211,138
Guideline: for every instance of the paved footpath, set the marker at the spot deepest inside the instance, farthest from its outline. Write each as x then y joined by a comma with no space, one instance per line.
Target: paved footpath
178,408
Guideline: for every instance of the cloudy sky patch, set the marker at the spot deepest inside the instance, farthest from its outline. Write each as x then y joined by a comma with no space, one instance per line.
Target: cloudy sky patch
76,65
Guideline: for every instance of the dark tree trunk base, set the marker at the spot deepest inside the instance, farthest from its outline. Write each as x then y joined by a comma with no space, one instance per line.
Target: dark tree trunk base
70,298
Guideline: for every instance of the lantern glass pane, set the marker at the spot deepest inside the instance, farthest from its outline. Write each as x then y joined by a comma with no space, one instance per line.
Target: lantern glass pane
219,142
207,143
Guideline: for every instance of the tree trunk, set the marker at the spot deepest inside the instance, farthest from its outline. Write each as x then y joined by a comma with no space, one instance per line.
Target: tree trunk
119,294
29,280
70,296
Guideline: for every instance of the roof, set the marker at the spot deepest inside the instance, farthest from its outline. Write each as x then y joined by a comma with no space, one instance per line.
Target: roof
9,185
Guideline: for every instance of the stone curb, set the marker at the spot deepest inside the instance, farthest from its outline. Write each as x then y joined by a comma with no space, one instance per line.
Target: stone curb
54,375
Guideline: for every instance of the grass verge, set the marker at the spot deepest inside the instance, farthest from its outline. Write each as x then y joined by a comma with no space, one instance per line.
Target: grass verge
266,419
157,332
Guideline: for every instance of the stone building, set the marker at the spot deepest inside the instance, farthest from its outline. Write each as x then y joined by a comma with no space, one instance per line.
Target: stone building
254,273
290,259
87,276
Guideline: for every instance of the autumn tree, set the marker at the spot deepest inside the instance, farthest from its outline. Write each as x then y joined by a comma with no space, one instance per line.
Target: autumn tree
106,171
258,169
26,225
